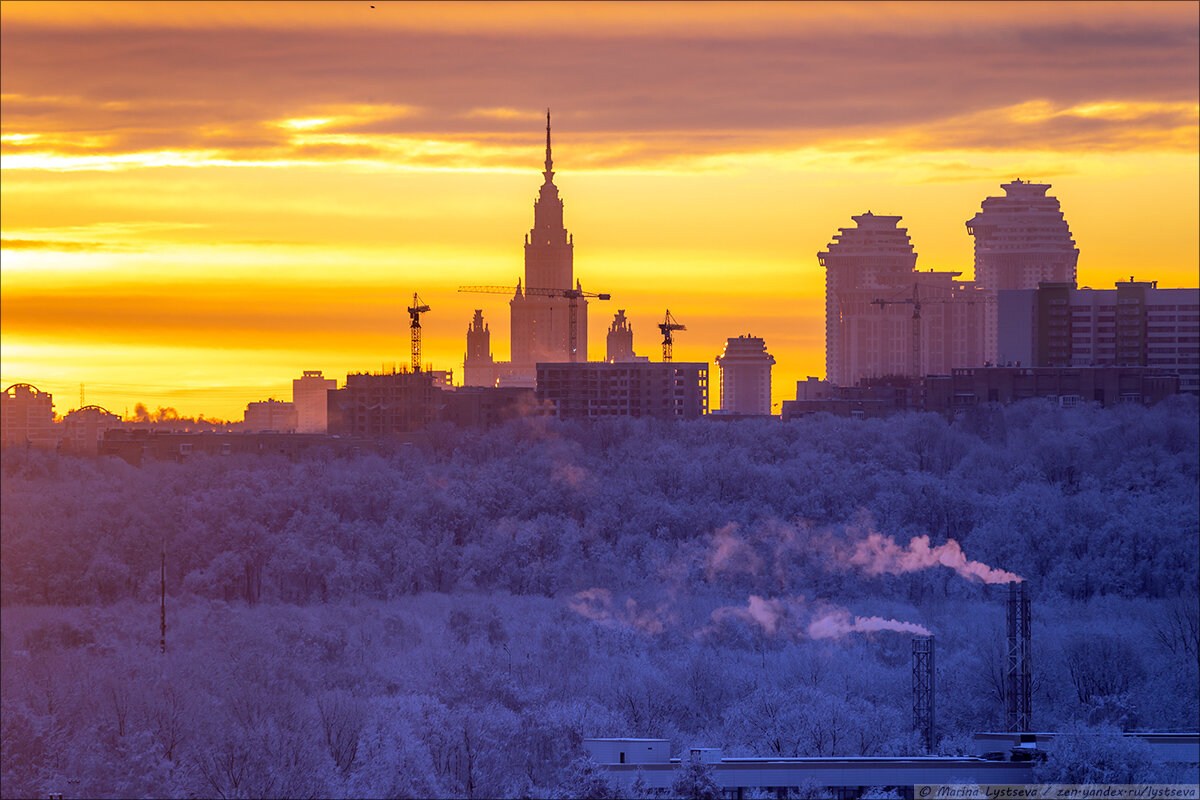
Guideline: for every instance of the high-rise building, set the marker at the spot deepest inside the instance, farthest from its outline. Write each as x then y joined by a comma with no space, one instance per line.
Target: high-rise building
309,396
1135,324
540,324
883,317
620,340
860,263
479,368
745,367
589,390
1021,240
27,417
540,327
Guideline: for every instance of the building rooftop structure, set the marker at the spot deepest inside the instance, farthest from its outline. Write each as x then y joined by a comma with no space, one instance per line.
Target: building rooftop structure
628,760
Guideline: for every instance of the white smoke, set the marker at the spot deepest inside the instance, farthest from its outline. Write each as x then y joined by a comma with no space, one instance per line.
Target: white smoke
794,618
878,554
836,623
730,553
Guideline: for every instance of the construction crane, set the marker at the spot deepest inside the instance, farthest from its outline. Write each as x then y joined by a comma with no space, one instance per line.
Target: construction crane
667,326
915,301
414,312
572,296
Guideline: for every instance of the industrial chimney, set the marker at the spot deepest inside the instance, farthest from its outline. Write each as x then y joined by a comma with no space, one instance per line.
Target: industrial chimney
922,681
1017,666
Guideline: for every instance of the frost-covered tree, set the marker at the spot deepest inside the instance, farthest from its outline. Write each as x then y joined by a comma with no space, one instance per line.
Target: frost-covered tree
1099,755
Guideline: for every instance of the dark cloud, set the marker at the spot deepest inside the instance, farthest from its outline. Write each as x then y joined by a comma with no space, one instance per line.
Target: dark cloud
225,88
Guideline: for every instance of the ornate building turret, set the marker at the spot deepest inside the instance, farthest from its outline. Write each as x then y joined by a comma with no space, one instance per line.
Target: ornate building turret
620,339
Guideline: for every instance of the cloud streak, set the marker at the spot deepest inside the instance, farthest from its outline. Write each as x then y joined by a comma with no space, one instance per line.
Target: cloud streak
64,245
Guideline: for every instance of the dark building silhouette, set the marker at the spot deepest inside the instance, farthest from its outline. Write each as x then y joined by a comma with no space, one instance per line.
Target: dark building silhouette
84,428
671,390
964,389
487,406
479,368
1135,324
620,340
270,415
870,398
136,446
970,388
27,417
1021,240
383,405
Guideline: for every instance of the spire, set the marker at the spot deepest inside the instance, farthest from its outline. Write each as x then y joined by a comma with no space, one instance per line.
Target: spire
548,216
549,173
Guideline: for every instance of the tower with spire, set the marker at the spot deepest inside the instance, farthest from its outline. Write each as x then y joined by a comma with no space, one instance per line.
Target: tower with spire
479,368
540,329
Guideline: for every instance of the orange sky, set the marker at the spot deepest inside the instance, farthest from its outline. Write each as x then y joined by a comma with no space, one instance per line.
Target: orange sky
201,200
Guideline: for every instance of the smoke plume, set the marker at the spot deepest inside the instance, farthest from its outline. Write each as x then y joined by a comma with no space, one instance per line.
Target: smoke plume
772,615
598,605
794,618
836,623
878,554
730,553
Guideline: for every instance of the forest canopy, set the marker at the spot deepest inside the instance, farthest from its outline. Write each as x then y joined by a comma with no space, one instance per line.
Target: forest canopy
476,605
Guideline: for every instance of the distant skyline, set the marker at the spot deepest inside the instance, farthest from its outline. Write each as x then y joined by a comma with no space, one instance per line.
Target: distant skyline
199,201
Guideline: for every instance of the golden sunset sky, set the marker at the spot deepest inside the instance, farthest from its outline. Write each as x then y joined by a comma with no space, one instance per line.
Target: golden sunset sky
199,201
